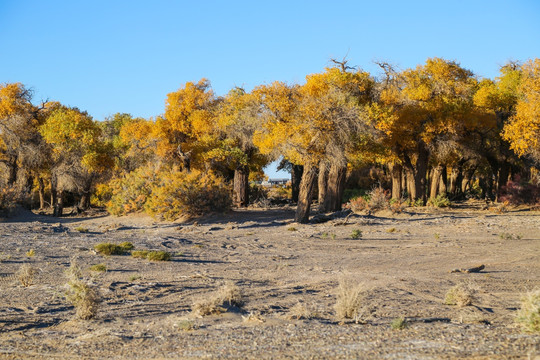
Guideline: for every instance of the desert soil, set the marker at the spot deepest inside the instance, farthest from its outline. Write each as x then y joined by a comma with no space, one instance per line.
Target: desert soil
403,262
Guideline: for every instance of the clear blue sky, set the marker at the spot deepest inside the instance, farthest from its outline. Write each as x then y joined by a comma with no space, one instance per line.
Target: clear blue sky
125,56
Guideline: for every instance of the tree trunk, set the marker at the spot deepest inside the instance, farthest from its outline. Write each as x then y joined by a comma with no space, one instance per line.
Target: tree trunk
502,179
54,191
336,184
421,172
435,181
467,179
296,178
41,191
306,193
411,188
396,174
322,186
241,186
443,185
12,175
59,206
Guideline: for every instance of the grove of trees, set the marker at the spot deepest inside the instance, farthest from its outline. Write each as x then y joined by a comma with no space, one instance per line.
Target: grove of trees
434,130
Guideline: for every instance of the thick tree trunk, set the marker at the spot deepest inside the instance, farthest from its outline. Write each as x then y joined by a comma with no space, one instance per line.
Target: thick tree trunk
322,186
467,179
306,193
409,180
436,175
336,184
241,186
59,206
502,179
54,191
41,191
421,172
396,174
443,185
296,178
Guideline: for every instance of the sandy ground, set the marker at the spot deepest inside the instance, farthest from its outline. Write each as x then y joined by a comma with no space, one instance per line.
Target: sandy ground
403,261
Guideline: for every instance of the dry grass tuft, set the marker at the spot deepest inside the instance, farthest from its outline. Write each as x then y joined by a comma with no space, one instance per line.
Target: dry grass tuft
299,312
26,275
529,313
228,295
81,293
460,295
349,300
253,318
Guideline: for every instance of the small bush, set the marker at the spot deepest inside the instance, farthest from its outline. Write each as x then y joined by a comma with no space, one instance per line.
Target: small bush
140,254
81,293
228,295
440,201
299,311
158,256
25,274
126,245
529,313
358,205
113,249
349,300
398,205
356,234
460,295
379,199
399,324
81,229
31,253
98,268
292,228
84,297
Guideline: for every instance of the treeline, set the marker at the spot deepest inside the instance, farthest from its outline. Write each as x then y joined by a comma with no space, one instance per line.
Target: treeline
435,130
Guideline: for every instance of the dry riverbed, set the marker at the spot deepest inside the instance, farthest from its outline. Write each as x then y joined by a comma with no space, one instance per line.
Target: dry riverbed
288,274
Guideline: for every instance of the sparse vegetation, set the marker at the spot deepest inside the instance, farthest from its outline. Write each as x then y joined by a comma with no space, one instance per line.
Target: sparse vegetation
349,300
529,313
399,323
185,325
227,296
440,201
26,274
460,295
158,256
356,234
113,249
508,236
299,311
98,268
81,294
81,229
292,228
31,253
140,254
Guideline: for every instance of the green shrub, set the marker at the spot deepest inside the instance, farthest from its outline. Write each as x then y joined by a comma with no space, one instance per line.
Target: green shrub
98,268
140,254
399,324
113,249
356,234
440,201
158,256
